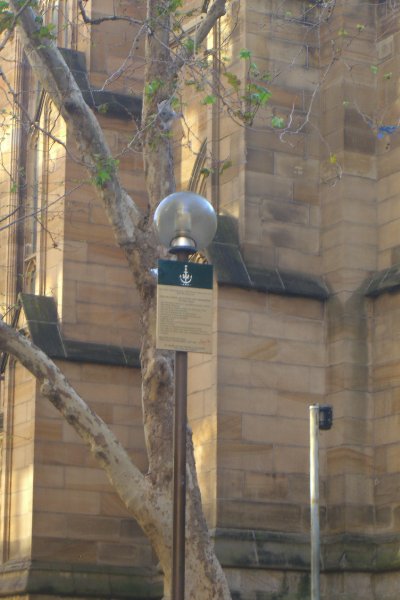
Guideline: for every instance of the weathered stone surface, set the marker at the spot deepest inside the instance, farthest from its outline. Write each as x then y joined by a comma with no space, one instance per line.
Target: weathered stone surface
48,578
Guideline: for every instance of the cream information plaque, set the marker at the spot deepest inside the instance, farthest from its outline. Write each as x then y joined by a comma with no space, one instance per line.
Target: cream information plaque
184,306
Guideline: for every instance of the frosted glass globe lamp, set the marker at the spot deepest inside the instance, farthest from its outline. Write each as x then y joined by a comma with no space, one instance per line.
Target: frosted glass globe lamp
185,222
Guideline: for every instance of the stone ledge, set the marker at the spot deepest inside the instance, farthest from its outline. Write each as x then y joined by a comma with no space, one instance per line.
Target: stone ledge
101,581
44,330
238,548
381,282
225,254
110,104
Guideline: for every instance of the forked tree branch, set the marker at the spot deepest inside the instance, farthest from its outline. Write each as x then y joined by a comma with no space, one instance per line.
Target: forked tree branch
135,489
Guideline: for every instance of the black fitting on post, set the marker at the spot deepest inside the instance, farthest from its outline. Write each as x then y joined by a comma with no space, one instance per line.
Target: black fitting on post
325,417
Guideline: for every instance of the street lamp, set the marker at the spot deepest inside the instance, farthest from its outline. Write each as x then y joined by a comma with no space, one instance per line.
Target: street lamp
185,222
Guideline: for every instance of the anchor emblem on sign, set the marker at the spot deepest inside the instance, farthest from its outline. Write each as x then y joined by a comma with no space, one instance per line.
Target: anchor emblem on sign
185,277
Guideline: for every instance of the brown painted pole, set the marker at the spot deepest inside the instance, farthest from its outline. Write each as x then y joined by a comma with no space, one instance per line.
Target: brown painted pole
179,490
179,513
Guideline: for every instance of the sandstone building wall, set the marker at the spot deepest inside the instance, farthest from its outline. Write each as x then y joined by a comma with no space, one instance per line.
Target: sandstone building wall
307,304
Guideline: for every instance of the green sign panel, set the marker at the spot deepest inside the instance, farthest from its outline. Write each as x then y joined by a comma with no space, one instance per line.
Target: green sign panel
185,274
184,306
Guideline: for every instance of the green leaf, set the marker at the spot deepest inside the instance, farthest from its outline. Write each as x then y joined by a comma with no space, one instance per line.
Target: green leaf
152,87
278,122
264,96
256,94
225,165
244,53
333,159
254,70
103,108
189,44
169,7
233,80
342,32
104,169
174,4
247,117
360,27
374,69
210,99
6,17
46,31
388,76
175,103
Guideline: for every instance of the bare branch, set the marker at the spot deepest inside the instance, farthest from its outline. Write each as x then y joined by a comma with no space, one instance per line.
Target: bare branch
117,74
36,212
100,20
214,13
34,124
56,78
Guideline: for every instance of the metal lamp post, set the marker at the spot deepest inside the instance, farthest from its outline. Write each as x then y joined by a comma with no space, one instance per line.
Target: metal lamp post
185,222
320,418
